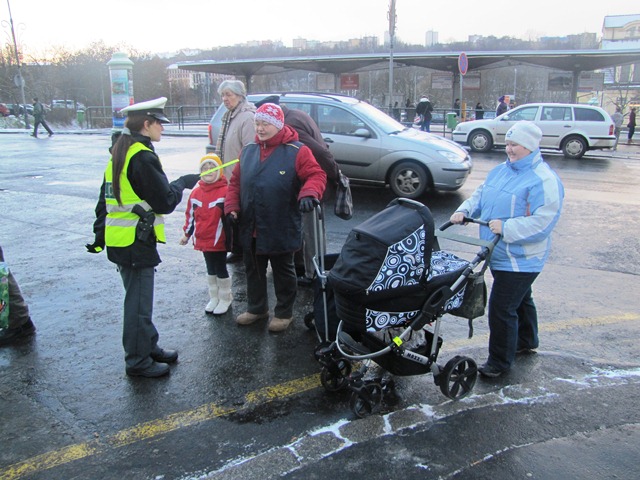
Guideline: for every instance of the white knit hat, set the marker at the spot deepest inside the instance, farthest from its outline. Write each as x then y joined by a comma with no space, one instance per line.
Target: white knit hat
525,133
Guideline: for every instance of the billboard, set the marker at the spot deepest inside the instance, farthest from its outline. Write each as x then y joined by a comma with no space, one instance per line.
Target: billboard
591,82
559,82
471,81
349,81
442,81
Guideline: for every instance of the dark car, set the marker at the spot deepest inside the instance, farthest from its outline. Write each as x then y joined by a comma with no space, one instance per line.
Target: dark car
17,109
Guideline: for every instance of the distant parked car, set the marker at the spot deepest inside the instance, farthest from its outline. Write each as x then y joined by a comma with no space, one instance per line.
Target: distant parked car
17,109
372,148
68,104
572,128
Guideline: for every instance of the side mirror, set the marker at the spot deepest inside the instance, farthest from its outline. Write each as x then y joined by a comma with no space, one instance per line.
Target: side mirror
362,132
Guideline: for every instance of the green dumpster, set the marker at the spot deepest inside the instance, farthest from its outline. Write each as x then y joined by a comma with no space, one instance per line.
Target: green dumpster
452,120
80,117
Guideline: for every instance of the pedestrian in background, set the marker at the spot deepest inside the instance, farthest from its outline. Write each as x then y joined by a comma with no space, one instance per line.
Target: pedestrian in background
134,196
617,118
479,111
457,107
502,106
310,135
424,109
38,118
276,181
396,112
205,224
631,124
236,131
521,199
20,326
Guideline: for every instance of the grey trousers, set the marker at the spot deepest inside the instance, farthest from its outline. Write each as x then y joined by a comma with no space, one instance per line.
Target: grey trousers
139,334
18,309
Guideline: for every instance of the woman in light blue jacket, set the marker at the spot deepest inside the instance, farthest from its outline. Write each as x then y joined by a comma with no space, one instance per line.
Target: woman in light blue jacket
522,200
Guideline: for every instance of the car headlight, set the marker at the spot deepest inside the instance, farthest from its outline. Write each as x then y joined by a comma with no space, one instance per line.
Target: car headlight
452,156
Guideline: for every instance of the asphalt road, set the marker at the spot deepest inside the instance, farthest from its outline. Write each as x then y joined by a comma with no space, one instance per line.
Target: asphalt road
243,403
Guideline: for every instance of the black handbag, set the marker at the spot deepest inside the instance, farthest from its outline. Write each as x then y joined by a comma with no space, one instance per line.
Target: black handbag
344,202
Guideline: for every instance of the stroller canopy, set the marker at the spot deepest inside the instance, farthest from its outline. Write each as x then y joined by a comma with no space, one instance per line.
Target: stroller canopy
388,252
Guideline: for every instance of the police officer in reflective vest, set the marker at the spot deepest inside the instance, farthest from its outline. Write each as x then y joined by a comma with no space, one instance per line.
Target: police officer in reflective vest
134,196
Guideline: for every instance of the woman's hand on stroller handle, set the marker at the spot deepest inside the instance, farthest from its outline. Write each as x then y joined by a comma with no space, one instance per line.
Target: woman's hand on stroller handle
459,218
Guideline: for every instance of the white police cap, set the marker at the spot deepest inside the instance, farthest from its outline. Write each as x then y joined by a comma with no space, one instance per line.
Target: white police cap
153,108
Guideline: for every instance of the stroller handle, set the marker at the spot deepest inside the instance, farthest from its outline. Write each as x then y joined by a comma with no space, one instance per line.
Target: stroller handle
466,220
440,232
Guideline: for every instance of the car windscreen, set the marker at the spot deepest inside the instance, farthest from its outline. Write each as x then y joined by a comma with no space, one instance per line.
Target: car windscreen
381,119
522,113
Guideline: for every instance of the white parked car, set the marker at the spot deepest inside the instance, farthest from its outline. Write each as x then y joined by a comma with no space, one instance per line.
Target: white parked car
572,128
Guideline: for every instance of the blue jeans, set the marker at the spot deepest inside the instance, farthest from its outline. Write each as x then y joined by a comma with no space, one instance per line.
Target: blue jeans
513,319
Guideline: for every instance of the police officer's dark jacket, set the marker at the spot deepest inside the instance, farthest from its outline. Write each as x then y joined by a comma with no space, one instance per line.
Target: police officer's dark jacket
150,183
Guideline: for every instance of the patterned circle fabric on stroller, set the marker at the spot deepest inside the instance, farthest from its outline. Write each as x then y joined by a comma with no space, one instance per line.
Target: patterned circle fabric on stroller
391,285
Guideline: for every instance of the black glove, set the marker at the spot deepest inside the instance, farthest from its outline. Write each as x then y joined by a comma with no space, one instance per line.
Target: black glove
95,247
307,204
232,219
187,181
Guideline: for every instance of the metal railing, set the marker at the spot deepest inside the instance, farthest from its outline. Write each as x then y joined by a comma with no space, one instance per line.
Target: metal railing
406,116
101,116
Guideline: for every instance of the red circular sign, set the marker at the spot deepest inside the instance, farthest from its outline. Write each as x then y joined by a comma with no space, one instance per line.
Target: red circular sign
463,63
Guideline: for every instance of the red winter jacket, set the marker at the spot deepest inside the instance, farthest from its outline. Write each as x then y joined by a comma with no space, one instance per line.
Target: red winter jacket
205,215
312,177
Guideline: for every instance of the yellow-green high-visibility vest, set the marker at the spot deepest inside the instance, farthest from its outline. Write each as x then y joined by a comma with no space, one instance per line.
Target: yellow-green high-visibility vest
121,222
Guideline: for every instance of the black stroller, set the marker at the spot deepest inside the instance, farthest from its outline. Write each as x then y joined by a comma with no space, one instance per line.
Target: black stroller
384,299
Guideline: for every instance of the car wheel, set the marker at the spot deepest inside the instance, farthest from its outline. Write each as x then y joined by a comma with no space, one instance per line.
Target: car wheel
574,147
480,141
409,180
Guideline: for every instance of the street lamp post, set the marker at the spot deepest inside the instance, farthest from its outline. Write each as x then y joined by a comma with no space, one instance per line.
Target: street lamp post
19,79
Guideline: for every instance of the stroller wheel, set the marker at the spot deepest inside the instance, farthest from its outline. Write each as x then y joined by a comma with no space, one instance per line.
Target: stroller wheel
458,377
309,320
335,377
366,400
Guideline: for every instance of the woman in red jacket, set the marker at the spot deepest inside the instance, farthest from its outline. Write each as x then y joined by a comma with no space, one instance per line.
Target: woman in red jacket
277,179
205,224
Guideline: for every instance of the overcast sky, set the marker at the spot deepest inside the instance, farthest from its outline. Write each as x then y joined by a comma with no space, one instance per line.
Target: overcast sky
170,25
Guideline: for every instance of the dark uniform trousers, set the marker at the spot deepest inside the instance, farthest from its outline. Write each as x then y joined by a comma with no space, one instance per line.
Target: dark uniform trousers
139,334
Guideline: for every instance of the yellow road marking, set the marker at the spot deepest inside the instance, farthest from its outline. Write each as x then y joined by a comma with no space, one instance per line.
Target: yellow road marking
210,411
154,428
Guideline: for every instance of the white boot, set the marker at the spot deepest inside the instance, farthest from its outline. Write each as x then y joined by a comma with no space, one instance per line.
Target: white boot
212,280
224,295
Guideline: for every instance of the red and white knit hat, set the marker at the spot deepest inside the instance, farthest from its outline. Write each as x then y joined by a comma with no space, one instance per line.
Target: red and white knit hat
270,113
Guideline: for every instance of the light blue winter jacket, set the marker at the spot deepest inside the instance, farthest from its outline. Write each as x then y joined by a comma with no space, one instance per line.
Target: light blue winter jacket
527,196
